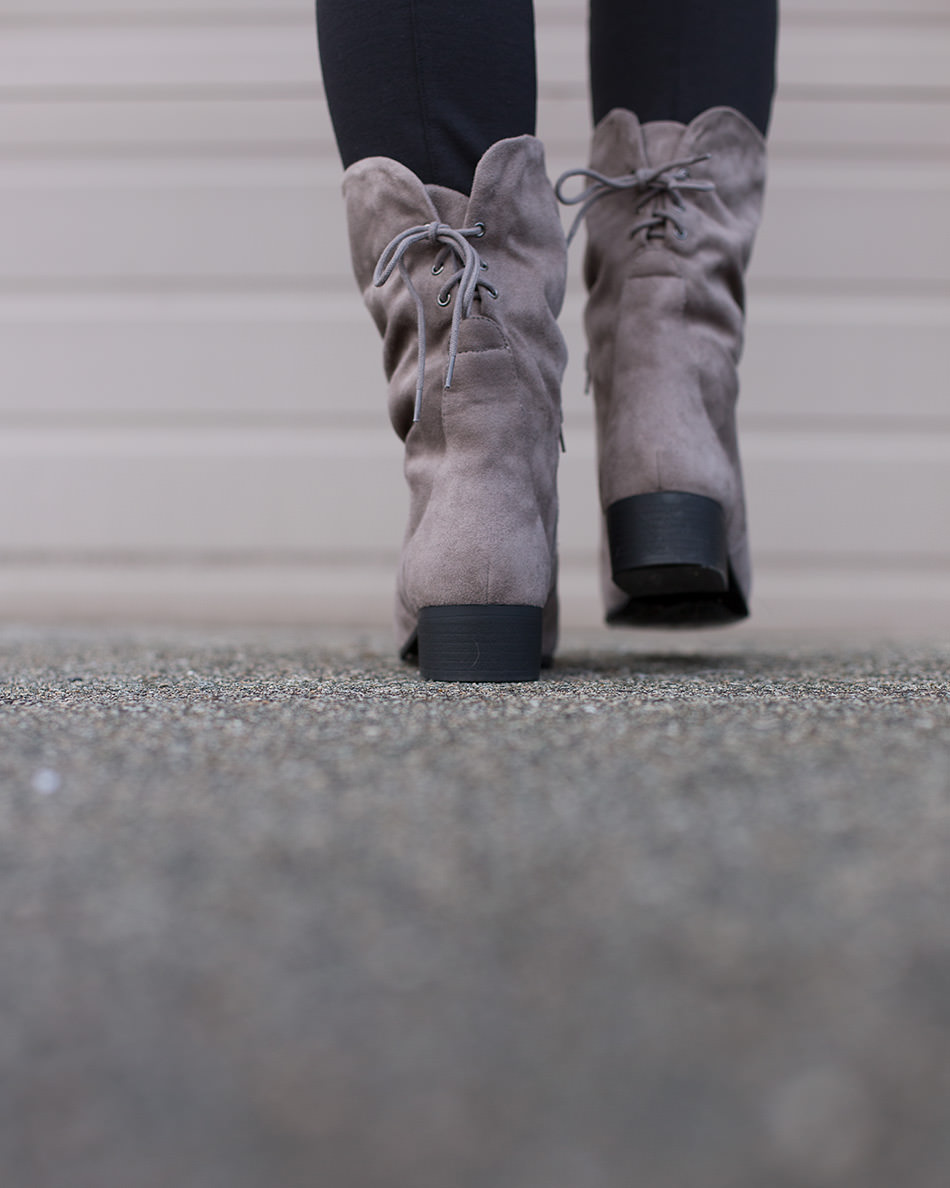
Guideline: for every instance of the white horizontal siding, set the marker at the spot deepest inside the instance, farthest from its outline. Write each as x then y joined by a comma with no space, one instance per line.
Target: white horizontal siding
48,127
848,599
278,11
282,57
820,361
207,490
164,127
193,424
237,223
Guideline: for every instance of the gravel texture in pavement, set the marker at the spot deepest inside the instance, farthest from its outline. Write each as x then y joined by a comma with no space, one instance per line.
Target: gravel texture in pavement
276,914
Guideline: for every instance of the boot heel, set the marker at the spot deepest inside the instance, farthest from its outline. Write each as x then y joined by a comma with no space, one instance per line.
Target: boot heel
480,643
668,541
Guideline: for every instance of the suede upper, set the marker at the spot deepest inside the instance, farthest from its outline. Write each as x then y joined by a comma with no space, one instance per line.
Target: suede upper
665,314
481,462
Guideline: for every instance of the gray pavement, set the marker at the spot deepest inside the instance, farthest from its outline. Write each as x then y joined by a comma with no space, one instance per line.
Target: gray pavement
275,913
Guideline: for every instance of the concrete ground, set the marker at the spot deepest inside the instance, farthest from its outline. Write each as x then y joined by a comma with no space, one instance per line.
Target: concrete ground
274,913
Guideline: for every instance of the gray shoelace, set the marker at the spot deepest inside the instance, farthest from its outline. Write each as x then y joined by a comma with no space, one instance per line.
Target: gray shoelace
650,182
452,241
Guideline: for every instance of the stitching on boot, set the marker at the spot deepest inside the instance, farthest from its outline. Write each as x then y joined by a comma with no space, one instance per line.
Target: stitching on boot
504,345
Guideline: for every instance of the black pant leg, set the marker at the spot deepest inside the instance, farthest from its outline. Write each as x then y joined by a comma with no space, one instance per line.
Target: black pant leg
672,59
430,83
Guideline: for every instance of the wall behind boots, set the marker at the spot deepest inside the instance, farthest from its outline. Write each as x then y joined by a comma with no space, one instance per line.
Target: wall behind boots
192,421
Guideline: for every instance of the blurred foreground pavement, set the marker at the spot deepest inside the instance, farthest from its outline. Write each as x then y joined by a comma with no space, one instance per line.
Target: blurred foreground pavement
274,913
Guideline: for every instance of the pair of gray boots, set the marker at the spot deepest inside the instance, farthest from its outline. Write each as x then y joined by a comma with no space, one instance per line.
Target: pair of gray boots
466,290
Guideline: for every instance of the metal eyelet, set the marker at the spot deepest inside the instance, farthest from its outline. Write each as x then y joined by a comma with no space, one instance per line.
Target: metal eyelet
437,269
443,301
681,233
492,291
481,231
484,266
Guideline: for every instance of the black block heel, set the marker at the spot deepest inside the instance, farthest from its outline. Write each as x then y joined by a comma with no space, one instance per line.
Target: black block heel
668,552
479,643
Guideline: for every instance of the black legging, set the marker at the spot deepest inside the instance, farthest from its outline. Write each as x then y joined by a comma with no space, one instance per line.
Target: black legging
434,83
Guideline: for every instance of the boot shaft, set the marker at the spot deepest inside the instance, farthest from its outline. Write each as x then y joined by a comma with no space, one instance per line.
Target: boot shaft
693,215
521,246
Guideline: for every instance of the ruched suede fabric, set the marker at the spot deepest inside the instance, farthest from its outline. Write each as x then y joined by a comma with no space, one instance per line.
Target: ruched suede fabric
481,462
665,317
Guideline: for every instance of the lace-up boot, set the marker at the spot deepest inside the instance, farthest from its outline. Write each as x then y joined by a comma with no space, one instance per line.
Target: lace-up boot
671,214
465,291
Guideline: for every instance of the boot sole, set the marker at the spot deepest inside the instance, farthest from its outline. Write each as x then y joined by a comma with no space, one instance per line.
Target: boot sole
668,552
478,643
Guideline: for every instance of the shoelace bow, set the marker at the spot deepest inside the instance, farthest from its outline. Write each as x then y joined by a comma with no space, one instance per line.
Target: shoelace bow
651,182
454,241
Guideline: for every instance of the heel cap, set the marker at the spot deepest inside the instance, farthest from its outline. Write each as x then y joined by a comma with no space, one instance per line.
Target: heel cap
669,553
471,643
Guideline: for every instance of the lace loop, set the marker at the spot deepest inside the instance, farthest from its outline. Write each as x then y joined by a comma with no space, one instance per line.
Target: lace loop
650,182
453,241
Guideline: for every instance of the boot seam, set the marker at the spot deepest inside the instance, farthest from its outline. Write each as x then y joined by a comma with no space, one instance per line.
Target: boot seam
505,344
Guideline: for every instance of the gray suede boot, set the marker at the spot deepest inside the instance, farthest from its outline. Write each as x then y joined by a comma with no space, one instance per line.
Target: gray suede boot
465,291
672,213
